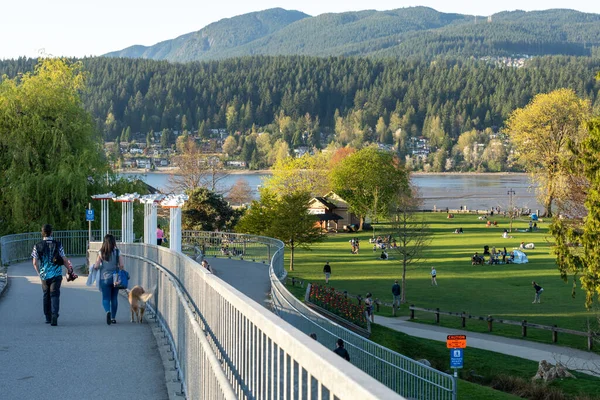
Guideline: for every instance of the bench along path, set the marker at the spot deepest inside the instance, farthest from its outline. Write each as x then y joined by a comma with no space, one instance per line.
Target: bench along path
82,357
574,359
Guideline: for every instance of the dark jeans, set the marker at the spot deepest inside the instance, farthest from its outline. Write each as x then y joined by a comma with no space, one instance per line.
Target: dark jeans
51,288
110,296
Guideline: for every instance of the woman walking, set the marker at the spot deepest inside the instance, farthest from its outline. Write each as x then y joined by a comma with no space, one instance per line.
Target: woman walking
108,262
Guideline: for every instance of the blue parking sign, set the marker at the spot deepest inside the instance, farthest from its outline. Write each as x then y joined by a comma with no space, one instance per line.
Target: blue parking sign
456,358
89,215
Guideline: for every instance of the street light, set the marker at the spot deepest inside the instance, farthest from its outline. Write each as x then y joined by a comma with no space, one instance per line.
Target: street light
511,193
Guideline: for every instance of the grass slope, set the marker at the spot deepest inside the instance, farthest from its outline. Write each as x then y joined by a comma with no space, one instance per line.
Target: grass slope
503,291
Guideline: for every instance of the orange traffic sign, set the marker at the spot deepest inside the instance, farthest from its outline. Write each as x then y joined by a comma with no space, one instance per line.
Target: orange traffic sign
456,341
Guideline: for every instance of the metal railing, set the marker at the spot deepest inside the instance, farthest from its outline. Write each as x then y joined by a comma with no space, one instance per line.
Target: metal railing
402,374
18,247
261,355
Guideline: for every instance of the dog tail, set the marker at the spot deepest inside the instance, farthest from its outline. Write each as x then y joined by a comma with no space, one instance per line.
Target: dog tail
145,297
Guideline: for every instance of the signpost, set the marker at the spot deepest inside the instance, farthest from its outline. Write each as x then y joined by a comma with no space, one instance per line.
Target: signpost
89,217
456,344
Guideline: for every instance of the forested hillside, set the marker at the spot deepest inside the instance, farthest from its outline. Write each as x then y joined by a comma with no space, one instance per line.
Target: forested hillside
239,93
407,32
311,102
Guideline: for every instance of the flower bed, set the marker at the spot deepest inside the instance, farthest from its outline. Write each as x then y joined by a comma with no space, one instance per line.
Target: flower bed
336,303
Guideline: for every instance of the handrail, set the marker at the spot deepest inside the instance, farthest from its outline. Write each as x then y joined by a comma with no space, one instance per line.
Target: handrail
224,384
490,320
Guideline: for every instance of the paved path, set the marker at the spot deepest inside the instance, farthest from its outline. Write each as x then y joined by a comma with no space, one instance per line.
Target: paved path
82,357
250,278
572,358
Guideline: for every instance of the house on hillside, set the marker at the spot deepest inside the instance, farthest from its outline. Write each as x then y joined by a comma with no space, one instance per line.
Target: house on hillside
332,211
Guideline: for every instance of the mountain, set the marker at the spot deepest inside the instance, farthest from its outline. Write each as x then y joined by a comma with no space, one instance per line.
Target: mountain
405,32
209,42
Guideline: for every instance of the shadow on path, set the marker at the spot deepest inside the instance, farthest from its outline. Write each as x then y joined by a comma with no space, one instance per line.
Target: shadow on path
82,357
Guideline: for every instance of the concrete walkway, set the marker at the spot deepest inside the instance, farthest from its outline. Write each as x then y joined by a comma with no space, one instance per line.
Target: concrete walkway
250,278
82,357
574,359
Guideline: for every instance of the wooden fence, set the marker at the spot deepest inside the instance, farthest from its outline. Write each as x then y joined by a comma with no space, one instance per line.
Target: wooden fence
590,335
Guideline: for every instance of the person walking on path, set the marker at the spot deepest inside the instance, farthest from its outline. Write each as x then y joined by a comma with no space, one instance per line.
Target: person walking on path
396,294
433,276
327,272
341,351
48,258
369,307
108,262
538,292
160,234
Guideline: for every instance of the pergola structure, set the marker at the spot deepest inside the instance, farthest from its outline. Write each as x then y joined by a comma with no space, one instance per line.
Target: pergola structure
150,202
173,202
104,222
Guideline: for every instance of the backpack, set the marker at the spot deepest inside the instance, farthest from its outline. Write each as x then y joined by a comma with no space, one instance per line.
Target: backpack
43,247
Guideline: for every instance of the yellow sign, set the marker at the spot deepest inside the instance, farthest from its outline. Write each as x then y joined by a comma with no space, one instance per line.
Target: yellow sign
456,341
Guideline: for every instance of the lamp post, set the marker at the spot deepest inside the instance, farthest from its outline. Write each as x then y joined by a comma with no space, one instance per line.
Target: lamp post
511,193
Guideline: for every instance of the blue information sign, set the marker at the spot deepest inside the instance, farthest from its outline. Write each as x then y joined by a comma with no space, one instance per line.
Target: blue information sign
456,358
89,215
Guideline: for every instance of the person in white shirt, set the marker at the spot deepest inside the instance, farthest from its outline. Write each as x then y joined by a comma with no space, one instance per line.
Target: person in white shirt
433,276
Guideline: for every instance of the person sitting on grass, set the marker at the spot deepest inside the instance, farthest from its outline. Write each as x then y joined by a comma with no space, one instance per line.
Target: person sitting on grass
384,255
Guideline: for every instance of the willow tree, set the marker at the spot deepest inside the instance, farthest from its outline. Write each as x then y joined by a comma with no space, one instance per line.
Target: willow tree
369,181
540,134
49,150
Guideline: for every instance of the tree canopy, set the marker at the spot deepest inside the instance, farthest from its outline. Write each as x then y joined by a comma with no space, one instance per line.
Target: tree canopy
541,133
369,180
577,245
50,154
207,211
284,217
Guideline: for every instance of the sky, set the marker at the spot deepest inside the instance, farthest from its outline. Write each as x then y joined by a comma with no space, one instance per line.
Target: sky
76,28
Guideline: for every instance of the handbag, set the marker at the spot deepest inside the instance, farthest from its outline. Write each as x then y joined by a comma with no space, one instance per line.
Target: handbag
121,279
120,276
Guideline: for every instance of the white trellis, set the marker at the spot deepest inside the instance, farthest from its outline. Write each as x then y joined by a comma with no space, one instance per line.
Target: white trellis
174,204
126,200
104,214
150,202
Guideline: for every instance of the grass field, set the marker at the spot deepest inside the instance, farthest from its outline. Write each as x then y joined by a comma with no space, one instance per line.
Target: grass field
503,291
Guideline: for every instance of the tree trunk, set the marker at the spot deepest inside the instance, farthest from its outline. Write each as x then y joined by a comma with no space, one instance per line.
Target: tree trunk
548,206
291,257
403,296
361,222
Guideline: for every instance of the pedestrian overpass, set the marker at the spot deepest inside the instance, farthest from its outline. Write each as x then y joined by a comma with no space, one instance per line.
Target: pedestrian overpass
226,346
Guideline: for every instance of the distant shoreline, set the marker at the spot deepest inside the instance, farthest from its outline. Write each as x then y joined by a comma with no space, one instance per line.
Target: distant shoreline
174,170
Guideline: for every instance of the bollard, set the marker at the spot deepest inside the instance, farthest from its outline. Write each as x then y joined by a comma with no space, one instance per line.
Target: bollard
412,311
377,303
524,328
437,315
464,319
489,321
554,334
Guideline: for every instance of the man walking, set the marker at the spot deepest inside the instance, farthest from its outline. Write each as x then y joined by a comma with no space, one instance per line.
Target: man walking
48,259
327,272
433,276
538,292
396,294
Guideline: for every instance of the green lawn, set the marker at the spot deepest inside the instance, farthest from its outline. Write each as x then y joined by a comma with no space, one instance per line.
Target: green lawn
503,291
